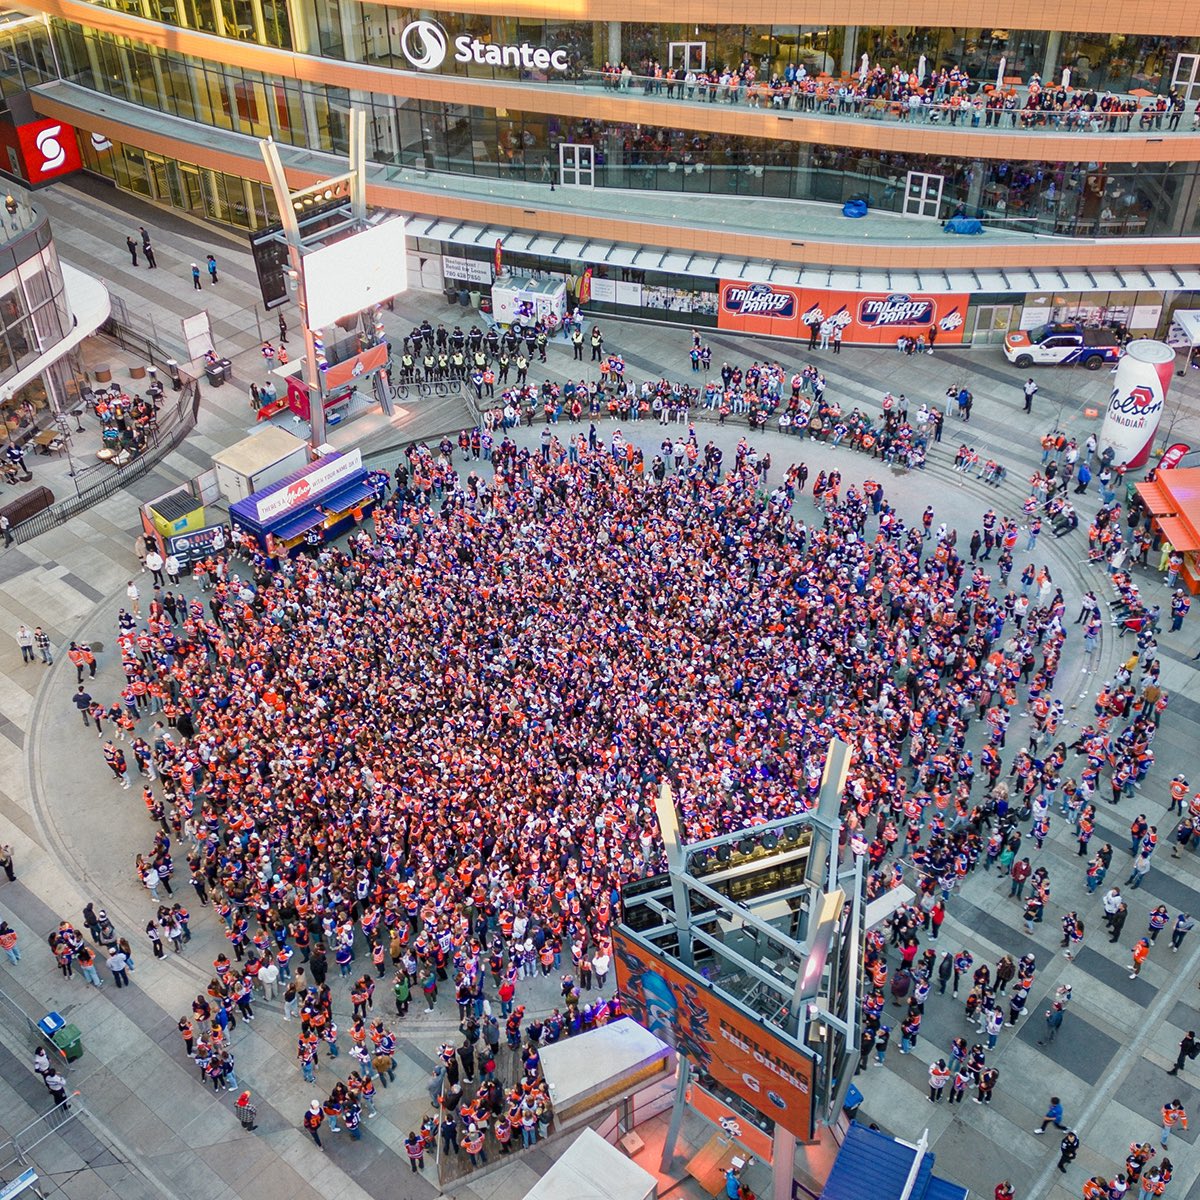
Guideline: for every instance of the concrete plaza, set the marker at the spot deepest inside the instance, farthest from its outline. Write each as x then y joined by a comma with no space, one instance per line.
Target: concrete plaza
75,833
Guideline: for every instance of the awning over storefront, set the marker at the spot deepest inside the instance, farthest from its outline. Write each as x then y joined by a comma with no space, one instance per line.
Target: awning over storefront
716,266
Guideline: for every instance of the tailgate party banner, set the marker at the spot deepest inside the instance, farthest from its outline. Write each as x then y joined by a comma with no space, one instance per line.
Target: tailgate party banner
874,318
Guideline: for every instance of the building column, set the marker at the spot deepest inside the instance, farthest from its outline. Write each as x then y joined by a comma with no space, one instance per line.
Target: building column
849,46
1050,62
614,42
302,20
975,191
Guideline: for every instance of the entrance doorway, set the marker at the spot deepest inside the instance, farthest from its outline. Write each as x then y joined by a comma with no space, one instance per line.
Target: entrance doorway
1186,79
687,56
923,194
576,165
992,322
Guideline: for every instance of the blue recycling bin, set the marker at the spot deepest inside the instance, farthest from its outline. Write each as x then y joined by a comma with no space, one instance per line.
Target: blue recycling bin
51,1023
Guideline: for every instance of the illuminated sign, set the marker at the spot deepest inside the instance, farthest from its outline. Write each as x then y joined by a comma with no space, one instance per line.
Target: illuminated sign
425,45
49,148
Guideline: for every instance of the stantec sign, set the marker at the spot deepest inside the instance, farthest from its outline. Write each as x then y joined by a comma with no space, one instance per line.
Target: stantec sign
425,44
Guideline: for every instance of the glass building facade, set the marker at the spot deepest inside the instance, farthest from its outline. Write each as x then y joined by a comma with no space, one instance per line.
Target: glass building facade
1039,134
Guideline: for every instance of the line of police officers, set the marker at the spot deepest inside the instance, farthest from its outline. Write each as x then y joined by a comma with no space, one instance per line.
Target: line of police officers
432,354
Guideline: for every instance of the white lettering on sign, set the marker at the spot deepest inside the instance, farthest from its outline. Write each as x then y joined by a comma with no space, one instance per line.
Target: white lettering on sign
468,270
423,43
324,475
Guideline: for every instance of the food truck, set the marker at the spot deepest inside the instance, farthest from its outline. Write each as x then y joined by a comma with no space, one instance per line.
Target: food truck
313,505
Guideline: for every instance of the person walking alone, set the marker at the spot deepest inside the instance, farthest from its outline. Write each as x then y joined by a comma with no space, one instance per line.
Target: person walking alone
1174,1116
1030,389
1188,1049
1054,1020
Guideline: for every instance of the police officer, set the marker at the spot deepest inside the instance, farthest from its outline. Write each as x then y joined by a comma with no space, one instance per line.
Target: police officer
491,341
475,339
479,359
597,343
441,338
429,363
541,340
407,365
443,363
427,335
458,339
458,364
577,343
504,364
522,368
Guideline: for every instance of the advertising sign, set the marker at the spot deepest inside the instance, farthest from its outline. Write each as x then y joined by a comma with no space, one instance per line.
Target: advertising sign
872,318
343,374
585,287
1173,455
50,149
425,44
679,1008
325,473
1135,405
191,547
733,1124
466,270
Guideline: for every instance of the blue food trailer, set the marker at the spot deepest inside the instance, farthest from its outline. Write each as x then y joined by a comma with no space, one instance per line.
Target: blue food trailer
313,505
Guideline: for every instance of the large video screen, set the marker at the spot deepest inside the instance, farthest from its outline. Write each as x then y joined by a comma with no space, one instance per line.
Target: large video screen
353,274
679,1008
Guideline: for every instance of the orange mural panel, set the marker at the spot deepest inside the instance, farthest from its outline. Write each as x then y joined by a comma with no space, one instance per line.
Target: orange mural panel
741,1054
865,318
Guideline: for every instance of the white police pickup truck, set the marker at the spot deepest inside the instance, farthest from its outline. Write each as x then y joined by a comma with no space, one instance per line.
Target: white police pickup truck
1062,343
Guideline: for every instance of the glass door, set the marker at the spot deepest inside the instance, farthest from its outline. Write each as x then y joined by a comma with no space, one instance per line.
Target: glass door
992,322
1186,79
923,195
687,56
576,165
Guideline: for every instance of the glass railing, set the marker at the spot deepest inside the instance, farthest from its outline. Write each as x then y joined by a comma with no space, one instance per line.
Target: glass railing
1006,108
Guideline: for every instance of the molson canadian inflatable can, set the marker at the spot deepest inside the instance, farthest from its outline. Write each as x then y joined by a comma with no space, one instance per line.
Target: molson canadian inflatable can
1135,406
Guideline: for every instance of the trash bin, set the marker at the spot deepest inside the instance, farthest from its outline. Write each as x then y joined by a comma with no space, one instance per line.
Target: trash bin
464,297
451,295
70,1041
215,373
227,369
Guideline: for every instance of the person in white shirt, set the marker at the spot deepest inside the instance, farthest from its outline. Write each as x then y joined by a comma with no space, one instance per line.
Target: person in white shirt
154,564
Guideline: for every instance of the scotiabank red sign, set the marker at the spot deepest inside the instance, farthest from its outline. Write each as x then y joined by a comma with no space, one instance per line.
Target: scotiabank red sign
49,149
873,318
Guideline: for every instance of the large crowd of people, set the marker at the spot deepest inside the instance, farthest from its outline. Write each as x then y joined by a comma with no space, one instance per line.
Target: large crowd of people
434,750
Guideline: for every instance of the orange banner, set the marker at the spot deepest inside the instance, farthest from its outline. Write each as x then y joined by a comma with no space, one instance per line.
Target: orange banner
740,1054
865,318
344,373
732,1124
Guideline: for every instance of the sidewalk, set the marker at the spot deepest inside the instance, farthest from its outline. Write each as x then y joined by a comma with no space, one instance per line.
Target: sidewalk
75,834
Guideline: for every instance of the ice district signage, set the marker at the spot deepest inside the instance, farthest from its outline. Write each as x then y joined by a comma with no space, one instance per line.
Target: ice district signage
425,45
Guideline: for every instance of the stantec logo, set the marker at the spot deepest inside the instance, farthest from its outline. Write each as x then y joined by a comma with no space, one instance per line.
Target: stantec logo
425,45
